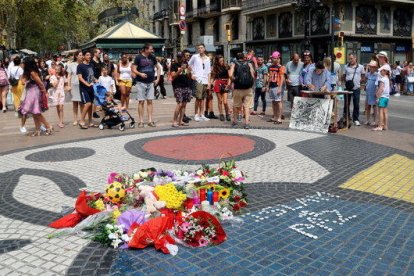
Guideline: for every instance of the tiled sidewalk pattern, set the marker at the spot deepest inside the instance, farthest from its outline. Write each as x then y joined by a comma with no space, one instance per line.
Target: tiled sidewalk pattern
391,177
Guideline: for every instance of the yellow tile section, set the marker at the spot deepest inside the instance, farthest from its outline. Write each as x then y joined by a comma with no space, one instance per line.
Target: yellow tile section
391,177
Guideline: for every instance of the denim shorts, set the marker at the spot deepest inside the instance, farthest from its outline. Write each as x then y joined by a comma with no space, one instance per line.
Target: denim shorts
145,91
274,96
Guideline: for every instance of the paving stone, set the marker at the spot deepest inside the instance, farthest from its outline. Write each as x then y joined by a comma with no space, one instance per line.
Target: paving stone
299,164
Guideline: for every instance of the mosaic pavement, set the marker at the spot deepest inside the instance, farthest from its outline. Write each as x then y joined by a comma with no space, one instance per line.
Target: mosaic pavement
318,205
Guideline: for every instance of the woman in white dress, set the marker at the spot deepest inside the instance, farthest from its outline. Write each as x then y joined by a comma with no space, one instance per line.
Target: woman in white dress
73,83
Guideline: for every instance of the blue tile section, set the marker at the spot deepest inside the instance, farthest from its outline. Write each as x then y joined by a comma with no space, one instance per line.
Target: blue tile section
378,241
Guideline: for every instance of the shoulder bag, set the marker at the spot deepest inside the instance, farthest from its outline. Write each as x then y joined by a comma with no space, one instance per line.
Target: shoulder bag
349,84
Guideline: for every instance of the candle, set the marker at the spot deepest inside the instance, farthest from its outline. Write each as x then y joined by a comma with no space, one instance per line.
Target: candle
202,194
215,197
210,196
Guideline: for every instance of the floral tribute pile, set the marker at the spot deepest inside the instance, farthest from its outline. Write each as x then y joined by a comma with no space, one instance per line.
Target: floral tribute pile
159,208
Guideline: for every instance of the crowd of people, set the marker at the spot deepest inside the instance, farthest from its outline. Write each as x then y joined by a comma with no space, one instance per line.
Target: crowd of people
37,84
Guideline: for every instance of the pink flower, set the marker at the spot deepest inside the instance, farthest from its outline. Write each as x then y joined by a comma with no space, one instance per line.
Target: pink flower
111,177
184,226
202,242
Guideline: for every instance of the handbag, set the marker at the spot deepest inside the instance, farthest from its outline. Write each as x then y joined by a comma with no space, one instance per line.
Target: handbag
3,78
410,79
349,84
44,105
12,79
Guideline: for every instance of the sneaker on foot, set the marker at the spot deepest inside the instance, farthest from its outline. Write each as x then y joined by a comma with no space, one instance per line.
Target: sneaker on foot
204,118
357,123
43,128
23,130
222,117
228,118
197,118
397,95
246,126
212,116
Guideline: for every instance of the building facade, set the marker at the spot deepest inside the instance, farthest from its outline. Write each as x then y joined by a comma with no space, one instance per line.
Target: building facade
267,25
206,20
368,27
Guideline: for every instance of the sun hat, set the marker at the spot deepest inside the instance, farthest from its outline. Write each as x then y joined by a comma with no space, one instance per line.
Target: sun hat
275,54
373,63
385,67
382,54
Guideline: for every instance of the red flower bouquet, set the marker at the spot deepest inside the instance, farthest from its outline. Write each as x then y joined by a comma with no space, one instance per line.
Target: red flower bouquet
200,229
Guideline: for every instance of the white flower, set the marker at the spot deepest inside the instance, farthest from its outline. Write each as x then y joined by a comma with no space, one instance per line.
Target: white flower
109,226
199,172
125,237
143,174
115,243
112,236
236,173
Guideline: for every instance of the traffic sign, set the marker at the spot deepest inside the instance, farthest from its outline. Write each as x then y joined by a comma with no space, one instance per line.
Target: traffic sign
182,25
182,10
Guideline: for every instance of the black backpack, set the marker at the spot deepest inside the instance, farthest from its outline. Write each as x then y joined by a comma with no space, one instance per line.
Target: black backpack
242,77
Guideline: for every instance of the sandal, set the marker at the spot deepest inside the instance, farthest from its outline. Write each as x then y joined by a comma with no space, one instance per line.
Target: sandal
140,125
93,125
271,121
184,124
151,124
278,122
82,126
175,125
61,125
35,133
75,123
378,129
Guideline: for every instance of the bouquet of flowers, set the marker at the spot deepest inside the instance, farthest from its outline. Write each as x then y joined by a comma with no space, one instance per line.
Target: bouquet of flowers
150,206
200,229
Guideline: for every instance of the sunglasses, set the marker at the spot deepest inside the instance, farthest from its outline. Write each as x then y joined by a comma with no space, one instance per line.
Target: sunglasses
306,54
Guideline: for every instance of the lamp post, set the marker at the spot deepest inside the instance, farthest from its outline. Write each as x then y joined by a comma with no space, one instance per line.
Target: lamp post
305,7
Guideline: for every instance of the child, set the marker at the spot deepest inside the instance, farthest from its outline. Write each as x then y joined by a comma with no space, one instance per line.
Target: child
275,87
371,89
383,95
107,81
57,91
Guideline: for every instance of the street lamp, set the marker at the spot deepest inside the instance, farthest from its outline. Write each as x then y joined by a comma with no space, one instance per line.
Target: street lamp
305,7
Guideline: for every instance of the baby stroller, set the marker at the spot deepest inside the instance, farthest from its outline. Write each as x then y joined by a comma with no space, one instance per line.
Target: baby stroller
112,117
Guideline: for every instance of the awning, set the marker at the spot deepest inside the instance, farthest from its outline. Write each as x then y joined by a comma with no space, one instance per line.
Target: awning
126,45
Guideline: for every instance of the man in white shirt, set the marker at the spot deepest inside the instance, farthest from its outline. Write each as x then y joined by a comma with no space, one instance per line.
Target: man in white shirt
294,70
201,69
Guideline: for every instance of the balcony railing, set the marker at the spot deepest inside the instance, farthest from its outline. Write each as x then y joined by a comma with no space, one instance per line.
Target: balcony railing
228,4
208,9
256,4
160,15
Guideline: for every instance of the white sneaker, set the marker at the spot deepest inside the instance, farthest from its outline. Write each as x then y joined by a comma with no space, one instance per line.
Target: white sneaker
23,130
16,114
357,123
197,118
204,118
397,95
42,128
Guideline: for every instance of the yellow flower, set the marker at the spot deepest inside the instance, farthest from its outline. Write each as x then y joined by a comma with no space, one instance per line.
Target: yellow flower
116,213
224,193
99,205
169,193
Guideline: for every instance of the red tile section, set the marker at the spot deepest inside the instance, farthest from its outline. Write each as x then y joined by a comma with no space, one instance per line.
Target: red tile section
199,147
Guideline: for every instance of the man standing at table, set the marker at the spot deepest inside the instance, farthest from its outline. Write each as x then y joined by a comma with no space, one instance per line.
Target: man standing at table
353,75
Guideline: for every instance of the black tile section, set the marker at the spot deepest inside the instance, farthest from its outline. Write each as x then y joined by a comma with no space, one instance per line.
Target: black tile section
135,148
94,259
16,210
59,155
11,245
